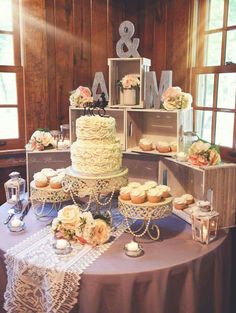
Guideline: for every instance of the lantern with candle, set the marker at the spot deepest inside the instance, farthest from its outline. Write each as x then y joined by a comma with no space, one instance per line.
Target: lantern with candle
204,226
15,190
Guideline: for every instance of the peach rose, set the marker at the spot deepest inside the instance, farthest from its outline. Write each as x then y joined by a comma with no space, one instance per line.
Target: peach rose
69,216
83,91
171,92
100,233
214,157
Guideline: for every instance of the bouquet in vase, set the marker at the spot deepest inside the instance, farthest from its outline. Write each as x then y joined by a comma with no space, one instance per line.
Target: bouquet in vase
129,85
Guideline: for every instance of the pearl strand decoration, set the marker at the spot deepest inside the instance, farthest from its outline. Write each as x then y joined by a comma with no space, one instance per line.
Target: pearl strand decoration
134,233
104,203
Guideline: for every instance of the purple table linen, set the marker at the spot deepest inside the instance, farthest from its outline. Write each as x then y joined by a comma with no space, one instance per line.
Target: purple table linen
175,275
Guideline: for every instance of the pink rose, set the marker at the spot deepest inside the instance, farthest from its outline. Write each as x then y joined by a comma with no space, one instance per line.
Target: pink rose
171,92
84,91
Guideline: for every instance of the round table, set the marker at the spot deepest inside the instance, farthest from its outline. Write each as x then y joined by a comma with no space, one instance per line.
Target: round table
175,274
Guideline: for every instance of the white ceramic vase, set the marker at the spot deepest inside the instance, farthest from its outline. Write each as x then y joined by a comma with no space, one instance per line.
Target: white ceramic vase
128,97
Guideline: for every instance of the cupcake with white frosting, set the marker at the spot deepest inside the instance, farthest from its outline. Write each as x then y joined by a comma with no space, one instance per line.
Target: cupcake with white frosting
163,147
40,180
49,173
125,193
56,182
179,203
173,146
134,185
146,144
138,195
154,195
165,190
189,198
150,184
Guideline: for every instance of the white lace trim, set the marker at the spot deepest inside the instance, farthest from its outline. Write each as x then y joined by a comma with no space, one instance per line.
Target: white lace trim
39,281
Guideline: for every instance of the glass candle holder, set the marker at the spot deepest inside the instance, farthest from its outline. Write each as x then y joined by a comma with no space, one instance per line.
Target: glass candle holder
15,190
205,226
56,134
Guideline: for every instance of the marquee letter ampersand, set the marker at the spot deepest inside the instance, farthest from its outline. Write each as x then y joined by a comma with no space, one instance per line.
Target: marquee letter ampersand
126,31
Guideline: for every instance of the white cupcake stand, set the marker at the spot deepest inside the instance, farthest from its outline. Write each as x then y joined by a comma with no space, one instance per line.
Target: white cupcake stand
96,187
147,212
40,197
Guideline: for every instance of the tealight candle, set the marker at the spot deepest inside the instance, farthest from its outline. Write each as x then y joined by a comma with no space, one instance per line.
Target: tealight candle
14,198
61,244
181,156
60,145
16,223
66,143
132,246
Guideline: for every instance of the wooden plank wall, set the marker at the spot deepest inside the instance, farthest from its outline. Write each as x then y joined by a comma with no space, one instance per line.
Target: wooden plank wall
67,41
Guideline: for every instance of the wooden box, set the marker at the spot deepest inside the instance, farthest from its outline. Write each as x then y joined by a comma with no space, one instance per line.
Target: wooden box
118,114
37,160
157,125
118,68
219,181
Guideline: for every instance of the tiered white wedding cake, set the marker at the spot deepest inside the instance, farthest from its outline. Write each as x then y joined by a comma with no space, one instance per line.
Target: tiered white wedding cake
96,150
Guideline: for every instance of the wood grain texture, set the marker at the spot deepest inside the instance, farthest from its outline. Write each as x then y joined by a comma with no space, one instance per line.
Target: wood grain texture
35,65
66,41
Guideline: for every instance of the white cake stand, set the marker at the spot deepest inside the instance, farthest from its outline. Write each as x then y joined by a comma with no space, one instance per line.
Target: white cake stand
94,186
41,196
147,212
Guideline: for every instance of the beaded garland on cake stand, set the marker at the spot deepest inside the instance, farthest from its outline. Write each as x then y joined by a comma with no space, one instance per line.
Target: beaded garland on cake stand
80,185
146,212
39,197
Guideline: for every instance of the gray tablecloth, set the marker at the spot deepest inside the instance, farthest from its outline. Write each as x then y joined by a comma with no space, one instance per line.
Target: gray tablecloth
175,275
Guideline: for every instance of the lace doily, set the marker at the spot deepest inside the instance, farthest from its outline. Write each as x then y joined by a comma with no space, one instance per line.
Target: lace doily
40,281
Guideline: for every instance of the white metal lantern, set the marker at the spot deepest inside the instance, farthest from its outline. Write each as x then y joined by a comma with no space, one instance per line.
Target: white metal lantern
15,190
204,226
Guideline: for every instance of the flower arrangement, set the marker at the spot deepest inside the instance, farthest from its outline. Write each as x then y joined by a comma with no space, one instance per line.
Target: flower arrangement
129,81
80,96
81,227
202,153
174,98
41,140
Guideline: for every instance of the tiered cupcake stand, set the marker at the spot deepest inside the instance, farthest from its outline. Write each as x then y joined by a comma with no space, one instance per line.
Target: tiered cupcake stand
46,200
99,188
147,212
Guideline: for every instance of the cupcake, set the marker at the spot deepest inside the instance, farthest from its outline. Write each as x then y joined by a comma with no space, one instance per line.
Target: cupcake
49,173
55,182
40,180
165,190
138,195
125,193
189,198
145,144
173,146
134,185
163,147
180,203
154,195
150,184
61,171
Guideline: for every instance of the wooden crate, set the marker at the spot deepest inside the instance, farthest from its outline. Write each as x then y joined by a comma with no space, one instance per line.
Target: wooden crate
157,125
37,160
220,180
118,68
118,114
